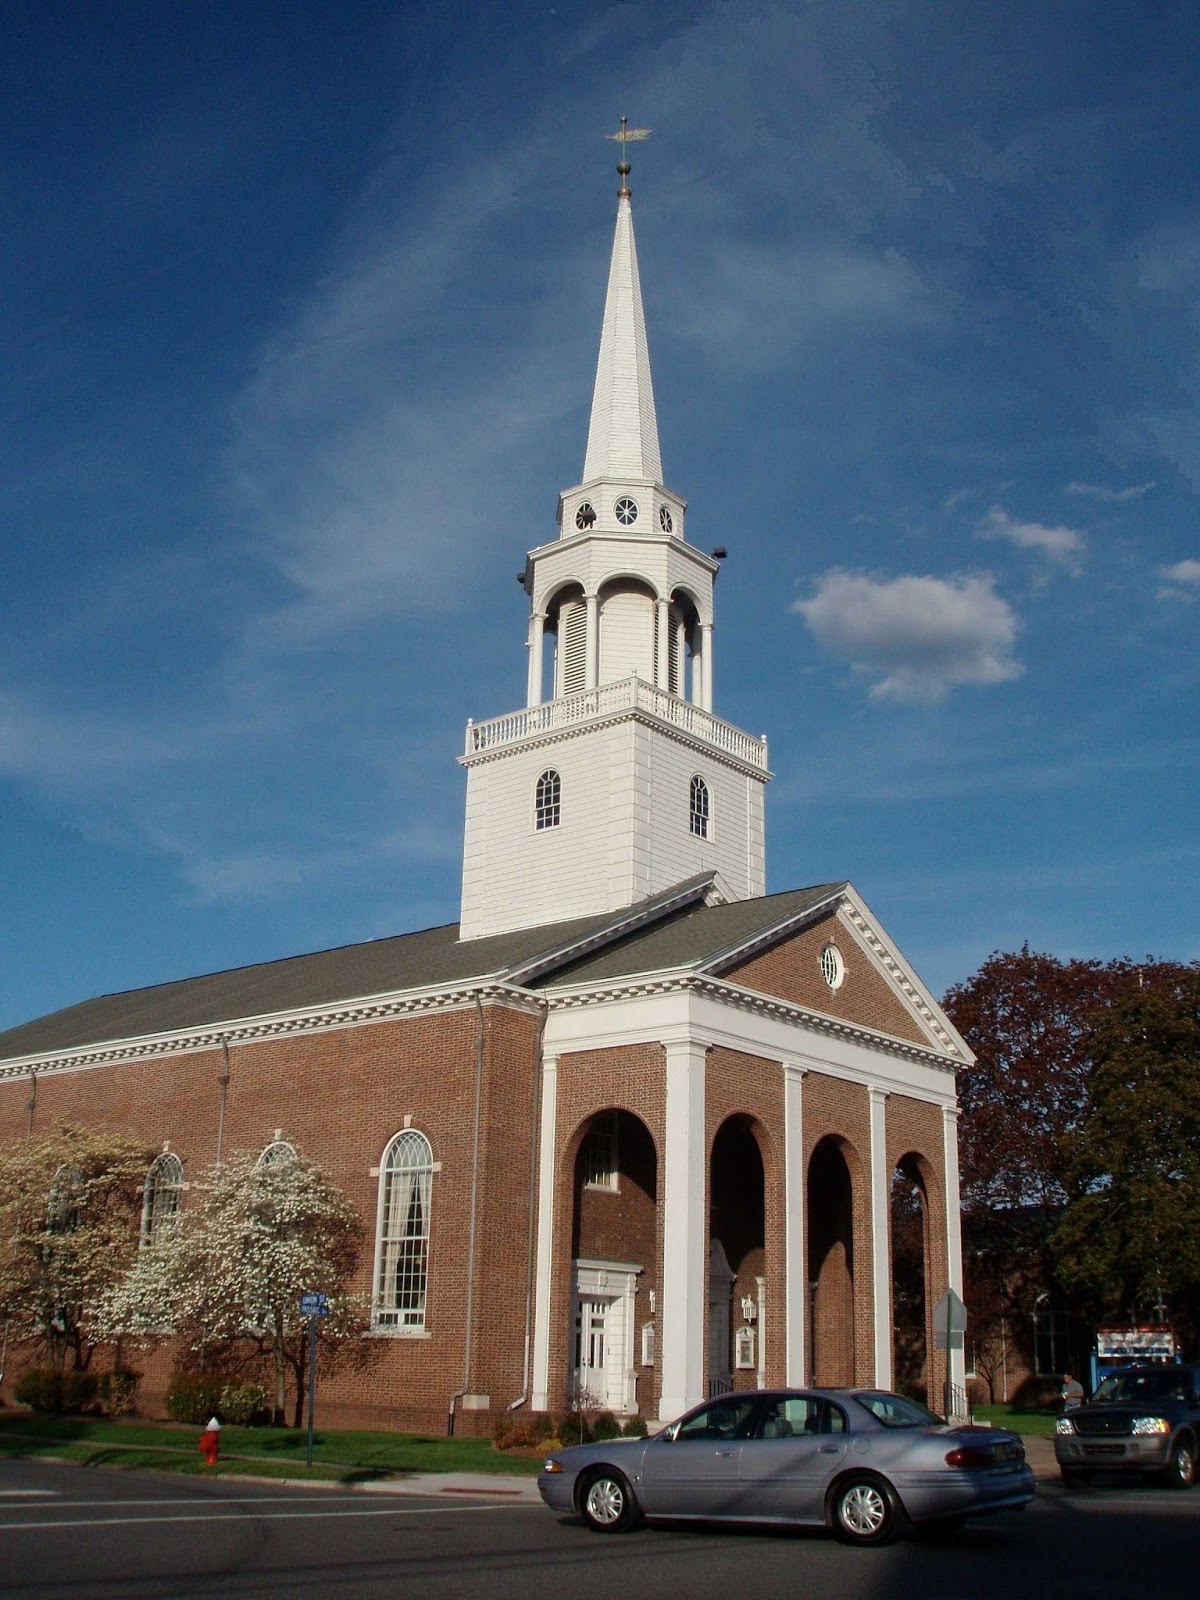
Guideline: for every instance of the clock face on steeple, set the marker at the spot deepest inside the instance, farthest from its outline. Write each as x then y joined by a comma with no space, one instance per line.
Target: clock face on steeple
626,511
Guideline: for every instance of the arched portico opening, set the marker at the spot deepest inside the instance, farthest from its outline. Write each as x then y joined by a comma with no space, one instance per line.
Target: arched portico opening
910,1277
831,1265
614,1298
737,1257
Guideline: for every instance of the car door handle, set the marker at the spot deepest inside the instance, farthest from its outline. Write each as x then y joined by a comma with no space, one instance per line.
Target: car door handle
831,1449
725,1452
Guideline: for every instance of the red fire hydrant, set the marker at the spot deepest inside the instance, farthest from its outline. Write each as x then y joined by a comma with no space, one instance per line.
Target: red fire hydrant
210,1442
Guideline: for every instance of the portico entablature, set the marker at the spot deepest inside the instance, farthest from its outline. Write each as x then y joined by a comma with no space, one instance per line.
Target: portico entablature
677,1009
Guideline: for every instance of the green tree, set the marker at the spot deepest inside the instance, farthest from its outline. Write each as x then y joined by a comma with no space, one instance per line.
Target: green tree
1130,1234
232,1270
70,1203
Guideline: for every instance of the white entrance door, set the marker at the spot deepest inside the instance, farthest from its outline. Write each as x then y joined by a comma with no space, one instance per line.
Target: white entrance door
603,1372
592,1347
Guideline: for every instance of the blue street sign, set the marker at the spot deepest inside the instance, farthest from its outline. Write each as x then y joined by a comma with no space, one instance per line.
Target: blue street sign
314,1305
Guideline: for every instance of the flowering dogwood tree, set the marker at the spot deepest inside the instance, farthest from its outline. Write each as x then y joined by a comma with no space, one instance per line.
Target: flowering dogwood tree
232,1269
69,1208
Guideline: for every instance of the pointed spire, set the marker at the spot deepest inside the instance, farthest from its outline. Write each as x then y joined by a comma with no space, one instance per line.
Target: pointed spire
623,434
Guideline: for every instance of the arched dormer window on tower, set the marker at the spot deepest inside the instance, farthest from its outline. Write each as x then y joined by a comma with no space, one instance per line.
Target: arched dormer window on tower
700,808
547,800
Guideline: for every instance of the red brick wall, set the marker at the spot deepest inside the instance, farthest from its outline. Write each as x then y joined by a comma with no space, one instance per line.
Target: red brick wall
340,1097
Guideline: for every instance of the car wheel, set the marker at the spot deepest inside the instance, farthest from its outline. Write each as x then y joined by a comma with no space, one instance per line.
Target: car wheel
606,1502
865,1510
1075,1477
1180,1471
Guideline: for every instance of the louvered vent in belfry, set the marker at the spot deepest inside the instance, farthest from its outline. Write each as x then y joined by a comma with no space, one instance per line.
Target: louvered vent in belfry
572,638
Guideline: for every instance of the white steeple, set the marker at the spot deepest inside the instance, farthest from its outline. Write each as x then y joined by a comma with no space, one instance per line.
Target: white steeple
623,435
616,781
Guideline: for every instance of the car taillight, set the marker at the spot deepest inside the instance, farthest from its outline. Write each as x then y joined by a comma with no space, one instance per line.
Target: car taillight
969,1456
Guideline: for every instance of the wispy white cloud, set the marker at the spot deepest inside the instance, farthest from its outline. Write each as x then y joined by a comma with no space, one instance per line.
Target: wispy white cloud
1183,581
1060,544
1100,491
919,637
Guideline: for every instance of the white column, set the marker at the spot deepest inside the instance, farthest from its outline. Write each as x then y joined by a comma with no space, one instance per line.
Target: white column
795,1261
537,636
685,1231
881,1264
662,641
958,1358
706,665
592,657
539,1398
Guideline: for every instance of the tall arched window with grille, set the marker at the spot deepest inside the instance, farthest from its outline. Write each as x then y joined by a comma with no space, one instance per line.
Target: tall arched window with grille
700,808
547,802
161,1198
402,1251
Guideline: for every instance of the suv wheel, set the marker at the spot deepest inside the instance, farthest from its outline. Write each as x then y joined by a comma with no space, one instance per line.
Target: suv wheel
1180,1471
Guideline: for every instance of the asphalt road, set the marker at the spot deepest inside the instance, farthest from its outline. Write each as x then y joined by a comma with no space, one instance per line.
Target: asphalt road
90,1535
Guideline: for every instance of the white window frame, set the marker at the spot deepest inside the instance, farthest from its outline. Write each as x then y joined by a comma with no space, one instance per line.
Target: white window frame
700,807
405,1176
547,801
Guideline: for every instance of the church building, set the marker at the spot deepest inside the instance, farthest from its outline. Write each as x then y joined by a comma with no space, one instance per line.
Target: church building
628,1134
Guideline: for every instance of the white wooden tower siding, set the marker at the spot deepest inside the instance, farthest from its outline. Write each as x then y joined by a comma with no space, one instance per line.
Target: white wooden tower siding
651,786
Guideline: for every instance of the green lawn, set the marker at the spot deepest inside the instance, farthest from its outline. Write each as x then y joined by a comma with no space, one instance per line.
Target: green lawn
342,1457
1033,1424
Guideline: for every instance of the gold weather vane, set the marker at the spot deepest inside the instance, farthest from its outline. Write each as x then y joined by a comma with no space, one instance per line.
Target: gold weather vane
625,134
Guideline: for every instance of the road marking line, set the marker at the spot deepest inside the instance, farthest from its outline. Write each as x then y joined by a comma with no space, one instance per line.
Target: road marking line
278,1516
24,1494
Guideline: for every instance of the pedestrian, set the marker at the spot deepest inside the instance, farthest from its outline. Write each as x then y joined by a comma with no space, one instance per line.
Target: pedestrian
1072,1392
210,1442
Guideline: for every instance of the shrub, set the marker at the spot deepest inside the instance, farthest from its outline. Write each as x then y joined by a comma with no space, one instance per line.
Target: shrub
605,1426
194,1396
117,1391
49,1389
635,1428
523,1430
240,1403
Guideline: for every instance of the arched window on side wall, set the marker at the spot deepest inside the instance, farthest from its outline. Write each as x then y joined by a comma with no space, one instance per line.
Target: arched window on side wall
161,1198
279,1153
547,804
402,1251
700,809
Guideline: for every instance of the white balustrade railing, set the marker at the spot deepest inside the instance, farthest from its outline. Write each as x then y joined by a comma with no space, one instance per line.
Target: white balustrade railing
609,699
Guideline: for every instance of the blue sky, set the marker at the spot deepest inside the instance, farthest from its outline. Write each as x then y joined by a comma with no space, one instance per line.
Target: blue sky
300,307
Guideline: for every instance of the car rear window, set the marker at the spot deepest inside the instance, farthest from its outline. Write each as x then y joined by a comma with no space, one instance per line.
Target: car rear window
894,1411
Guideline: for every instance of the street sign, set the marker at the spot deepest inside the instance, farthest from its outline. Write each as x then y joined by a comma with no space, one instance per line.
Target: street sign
314,1305
949,1322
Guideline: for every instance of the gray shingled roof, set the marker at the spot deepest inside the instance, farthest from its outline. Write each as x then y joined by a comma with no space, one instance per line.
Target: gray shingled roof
686,936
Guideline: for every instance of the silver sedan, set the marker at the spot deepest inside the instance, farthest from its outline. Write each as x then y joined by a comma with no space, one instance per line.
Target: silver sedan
860,1461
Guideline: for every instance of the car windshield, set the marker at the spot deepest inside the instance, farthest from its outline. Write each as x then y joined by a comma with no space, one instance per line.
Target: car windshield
1123,1387
894,1411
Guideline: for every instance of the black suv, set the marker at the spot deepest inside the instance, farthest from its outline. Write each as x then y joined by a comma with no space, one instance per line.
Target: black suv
1140,1419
